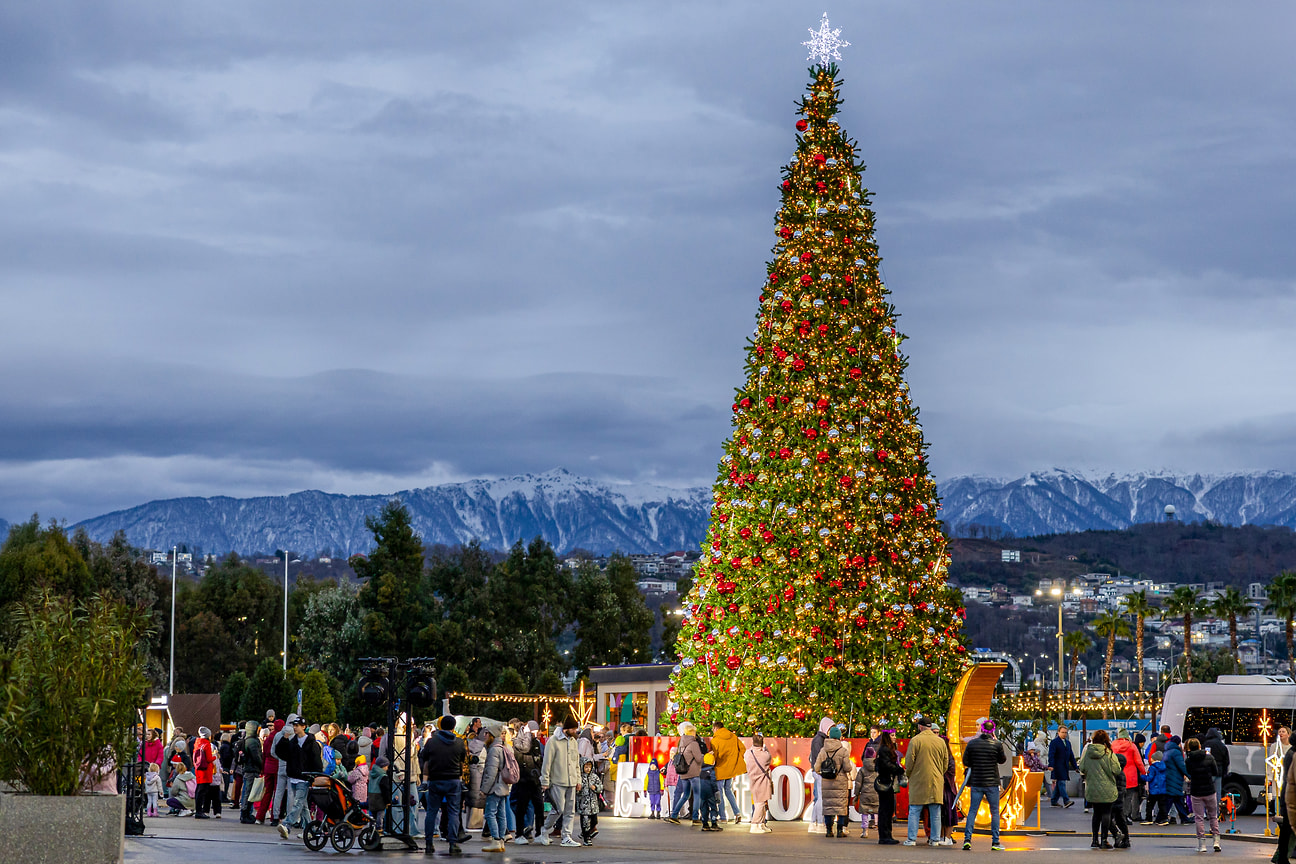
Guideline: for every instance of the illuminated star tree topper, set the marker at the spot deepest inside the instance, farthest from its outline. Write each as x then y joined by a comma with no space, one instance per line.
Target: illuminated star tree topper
825,43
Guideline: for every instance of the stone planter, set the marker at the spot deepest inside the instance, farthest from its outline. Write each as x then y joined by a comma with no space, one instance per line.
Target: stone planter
42,829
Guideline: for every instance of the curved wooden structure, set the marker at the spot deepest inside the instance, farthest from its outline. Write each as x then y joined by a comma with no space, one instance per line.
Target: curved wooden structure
971,701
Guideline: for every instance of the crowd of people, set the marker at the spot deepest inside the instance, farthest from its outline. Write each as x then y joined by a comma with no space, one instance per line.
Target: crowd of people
539,786
1140,780
508,771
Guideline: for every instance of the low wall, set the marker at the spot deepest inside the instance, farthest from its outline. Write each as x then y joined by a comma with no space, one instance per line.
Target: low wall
790,770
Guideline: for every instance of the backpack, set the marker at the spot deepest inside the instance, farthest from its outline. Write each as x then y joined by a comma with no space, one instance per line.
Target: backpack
828,768
681,763
201,758
509,771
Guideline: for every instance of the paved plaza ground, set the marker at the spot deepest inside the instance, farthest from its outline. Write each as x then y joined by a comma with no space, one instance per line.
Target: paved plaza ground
641,841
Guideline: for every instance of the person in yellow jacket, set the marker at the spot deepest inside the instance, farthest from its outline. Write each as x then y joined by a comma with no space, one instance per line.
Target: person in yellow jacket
729,750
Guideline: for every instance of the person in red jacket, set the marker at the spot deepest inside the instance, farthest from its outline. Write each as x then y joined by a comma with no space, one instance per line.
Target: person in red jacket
203,758
1134,766
270,772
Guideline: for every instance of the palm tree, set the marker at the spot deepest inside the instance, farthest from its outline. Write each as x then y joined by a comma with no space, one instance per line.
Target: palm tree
1110,625
1230,605
1076,643
1136,604
1282,602
1184,603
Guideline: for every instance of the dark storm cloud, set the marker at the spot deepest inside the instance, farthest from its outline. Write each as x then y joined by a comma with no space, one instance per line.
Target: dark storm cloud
250,248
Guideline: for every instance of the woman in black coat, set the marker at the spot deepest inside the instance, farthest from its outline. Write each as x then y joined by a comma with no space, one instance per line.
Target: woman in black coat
888,769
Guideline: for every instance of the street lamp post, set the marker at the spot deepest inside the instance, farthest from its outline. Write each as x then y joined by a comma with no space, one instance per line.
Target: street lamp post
171,677
1057,593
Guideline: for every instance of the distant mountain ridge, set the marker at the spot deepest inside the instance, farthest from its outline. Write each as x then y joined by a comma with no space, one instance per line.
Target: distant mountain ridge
1060,501
571,511
566,510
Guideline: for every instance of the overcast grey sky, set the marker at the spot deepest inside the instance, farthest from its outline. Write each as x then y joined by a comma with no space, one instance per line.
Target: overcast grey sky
256,247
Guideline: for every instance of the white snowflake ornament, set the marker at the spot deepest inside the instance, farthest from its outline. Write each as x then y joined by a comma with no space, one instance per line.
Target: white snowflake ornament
825,43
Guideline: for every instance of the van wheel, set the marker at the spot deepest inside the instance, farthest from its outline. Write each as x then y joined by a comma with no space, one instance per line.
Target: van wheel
1246,804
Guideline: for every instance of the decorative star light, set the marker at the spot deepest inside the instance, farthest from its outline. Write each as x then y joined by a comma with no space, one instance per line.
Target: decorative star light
825,43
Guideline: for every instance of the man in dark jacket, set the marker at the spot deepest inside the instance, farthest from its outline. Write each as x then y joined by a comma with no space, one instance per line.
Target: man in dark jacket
1214,742
982,757
442,758
1061,761
302,755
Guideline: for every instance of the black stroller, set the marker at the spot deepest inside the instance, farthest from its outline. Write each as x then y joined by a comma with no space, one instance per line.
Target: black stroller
343,820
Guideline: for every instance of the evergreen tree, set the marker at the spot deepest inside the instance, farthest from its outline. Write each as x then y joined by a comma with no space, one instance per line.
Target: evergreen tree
231,697
33,558
269,688
317,698
613,625
510,681
393,610
822,589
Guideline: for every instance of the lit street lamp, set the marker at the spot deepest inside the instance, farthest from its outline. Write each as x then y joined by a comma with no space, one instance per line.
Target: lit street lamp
1057,593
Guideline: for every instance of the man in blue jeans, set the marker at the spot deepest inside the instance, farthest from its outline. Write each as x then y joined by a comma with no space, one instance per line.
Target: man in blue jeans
1061,761
442,758
926,761
982,757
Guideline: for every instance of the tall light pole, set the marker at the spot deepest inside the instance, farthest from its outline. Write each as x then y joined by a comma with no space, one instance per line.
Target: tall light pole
171,679
1057,593
285,663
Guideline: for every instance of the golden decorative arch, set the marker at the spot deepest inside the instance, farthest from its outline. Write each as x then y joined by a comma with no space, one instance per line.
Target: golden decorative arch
972,700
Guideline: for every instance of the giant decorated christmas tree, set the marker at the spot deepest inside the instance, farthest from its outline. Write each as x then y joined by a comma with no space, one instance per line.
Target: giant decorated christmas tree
821,590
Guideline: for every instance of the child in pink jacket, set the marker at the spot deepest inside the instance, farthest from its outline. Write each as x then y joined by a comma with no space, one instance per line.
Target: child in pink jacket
359,780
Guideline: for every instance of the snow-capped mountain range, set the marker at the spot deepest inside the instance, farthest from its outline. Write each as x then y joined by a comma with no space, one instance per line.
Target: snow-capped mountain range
1058,501
571,511
566,510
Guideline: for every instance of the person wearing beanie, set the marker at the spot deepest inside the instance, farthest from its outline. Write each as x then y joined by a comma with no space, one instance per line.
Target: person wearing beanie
982,756
707,788
204,767
560,776
379,797
442,759
303,756
834,768
358,777
1134,768
587,801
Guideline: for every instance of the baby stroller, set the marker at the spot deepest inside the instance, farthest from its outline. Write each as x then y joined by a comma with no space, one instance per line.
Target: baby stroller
343,819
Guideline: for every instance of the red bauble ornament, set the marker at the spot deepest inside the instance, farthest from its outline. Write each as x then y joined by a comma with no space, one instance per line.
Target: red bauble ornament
794,552
823,456
789,592
848,279
807,280
856,373
820,158
861,621
802,125
785,232
822,404
799,714
744,533
798,365
787,184
765,691
881,455
815,630
807,257
846,482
